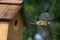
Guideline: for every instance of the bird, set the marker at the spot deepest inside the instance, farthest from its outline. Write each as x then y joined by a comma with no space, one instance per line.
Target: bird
38,37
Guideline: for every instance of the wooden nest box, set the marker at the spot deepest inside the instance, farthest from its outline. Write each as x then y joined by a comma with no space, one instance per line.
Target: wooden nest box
12,19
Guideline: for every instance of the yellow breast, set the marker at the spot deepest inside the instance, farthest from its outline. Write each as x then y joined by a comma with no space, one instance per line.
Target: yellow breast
42,23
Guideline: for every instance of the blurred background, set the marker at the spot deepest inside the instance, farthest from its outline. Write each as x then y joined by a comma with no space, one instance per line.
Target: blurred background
33,8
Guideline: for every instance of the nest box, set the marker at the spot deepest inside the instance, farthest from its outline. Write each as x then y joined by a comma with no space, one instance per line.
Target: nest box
12,19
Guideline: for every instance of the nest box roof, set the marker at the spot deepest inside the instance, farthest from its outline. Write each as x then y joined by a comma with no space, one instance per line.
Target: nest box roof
9,8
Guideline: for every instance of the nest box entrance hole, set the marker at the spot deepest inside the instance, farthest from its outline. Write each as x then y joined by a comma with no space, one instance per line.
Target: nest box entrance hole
16,22
15,25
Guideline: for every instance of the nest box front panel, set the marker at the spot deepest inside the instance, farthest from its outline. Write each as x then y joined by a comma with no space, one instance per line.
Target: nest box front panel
16,28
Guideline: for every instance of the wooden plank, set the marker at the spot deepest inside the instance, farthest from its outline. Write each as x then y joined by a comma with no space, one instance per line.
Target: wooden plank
13,36
9,11
23,16
3,8
3,30
11,2
19,26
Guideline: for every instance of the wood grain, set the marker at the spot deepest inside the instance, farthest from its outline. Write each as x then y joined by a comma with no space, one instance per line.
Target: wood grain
14,34
3,30
9,11
11,2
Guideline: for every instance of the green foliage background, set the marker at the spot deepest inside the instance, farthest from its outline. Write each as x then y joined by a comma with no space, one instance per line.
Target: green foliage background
33,8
